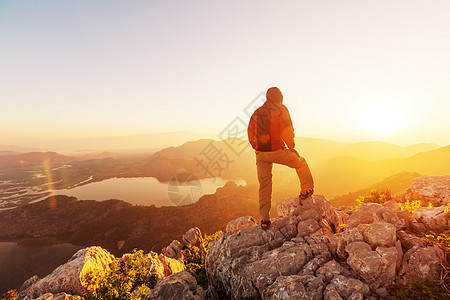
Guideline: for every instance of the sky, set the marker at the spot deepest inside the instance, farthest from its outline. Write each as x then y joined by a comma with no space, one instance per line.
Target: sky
348,70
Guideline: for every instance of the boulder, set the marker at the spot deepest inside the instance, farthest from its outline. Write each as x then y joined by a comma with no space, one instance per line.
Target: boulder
182,285
365,214
408,240
429,219
347,237
391,255
380,234
331,293
369,264
392,205
423,263
317,207
240,223
192,237
369,213
346,286
431,189
329,270
71,277
246,263
286,287
307,227
173,250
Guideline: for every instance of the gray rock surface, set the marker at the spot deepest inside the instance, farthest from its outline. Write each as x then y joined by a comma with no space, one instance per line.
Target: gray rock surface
182,285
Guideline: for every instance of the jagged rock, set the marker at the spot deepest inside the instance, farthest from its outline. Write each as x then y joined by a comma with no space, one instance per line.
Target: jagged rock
369,264
424,263
347,237
192,237
391,255
392,205
369,213
356,296
248,263
329,270
239,223
182,285
29,282
380,234
346,286
60,296
399,248
331,293
307,227
286,287
317,207
431,189
71,277
388,215
173,250
408,240
290,207
365,214
429,219
404,219
314,286
311,267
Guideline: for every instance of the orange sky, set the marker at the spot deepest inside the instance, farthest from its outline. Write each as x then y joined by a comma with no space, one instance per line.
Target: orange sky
349,70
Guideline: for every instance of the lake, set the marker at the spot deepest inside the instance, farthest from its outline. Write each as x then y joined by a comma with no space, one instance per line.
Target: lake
147,190
18,262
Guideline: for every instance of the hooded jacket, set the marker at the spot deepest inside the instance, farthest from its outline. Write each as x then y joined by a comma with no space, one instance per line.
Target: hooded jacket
270,127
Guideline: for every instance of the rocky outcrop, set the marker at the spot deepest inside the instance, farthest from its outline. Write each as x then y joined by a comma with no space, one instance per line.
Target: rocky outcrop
182,285
71,277
430,220
70,280
240,223
424,263
306,254
288,260
430,189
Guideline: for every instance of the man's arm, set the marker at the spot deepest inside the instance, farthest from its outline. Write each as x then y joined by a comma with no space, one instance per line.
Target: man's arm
287,129
251,131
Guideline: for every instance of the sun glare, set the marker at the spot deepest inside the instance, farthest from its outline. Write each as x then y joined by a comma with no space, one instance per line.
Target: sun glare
379,117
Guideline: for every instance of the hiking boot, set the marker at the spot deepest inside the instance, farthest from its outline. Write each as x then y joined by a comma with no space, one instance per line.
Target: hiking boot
265,224
305,194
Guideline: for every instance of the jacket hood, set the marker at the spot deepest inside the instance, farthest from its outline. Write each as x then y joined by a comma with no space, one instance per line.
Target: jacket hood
274,95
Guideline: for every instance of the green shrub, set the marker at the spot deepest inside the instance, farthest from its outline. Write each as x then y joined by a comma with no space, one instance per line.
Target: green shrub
418,289
194,258
121,280
9,295
375,196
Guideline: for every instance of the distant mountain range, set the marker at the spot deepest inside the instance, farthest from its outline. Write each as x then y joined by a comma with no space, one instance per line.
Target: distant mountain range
337,167
340,174
397,184
20,160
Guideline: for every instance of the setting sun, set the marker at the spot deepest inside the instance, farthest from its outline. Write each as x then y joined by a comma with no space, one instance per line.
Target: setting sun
379,117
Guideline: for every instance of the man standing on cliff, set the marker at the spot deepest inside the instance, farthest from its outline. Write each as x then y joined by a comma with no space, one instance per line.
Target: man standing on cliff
269,131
